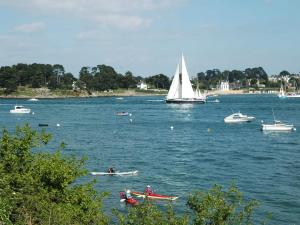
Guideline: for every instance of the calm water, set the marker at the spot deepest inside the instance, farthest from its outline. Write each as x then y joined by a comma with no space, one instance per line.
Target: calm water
200,151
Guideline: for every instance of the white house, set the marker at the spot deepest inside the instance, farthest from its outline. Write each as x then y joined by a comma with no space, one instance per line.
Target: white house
224,86
141,85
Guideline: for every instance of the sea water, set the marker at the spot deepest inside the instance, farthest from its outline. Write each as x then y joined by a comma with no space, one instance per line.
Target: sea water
178,149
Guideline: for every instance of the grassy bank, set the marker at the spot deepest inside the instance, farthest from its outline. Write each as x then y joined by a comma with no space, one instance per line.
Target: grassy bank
25,92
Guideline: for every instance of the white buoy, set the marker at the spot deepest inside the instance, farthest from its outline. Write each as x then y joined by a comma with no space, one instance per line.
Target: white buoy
130,114
172,128
130,120
32,113
58,125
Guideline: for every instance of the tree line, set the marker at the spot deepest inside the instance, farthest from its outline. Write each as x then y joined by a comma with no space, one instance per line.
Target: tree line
104,78
249,77
38,187
98,78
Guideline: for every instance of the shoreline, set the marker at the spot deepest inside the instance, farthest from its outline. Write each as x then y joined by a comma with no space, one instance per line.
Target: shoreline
126,93
84,94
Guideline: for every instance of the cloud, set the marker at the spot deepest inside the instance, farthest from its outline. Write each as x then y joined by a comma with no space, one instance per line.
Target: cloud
122,21
122,14
30,28
94,5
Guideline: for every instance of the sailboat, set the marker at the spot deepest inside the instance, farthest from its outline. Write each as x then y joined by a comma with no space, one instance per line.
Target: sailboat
181,90
281,92
277,125
293,94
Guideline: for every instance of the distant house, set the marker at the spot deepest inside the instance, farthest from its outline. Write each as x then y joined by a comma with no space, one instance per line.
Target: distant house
224,86
259,85
78,85
142,85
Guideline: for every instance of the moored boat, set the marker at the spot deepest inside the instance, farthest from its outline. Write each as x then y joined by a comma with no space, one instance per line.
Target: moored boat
19,109
238,118
277,126
122,113
33,100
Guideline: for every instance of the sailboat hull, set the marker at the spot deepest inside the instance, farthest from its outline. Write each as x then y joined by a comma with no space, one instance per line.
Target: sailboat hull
184,101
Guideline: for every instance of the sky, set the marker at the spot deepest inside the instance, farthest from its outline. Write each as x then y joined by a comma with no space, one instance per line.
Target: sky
147,37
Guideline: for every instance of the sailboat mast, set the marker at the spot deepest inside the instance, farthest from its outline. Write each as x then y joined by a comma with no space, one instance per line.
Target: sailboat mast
273,115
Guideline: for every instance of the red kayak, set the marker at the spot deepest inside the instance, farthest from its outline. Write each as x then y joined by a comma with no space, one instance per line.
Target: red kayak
154,196
130,201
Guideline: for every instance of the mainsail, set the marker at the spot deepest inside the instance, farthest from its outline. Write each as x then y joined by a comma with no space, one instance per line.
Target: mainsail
187,89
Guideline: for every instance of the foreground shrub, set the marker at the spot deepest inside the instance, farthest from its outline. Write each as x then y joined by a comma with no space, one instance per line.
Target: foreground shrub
38,188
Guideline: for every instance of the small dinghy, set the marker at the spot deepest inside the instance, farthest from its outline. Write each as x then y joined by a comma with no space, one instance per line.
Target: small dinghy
43,125
122,113
33,100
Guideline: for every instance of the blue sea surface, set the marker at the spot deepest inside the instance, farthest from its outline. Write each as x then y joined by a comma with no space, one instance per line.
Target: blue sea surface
200,151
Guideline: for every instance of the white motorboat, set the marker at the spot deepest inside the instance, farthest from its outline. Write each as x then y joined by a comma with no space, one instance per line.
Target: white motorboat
33,100
19,109
238,118
214,101
277,126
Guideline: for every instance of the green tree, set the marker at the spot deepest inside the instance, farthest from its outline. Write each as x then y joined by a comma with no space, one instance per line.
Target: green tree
159,81
40,188
106,78
128,81
284,73
147,213
219,207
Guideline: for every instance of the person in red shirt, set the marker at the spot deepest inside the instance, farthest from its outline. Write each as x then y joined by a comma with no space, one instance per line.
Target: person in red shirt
148,190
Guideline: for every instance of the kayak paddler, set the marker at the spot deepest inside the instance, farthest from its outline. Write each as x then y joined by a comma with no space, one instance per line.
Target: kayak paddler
128,195
111,170
148,190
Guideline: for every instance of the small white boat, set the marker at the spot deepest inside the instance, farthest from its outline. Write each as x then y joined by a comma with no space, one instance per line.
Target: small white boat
122,113
214,101
33,100
293,95
284,94
19,109
238,118
119,98
277,126
135,172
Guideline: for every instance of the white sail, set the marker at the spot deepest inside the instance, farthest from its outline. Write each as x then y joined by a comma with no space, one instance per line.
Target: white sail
187,90
175,86
181,89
